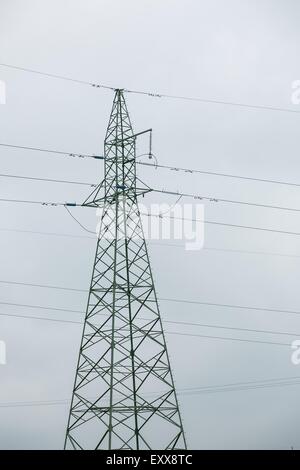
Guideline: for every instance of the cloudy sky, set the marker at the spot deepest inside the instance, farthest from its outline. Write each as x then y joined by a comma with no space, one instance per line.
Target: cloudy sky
234,51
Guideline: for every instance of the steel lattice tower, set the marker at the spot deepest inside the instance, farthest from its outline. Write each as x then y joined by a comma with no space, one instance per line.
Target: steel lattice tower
124,395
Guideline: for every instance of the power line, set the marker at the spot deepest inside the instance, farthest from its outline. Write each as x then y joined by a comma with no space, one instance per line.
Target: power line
250,252
155,94
30,317
218,337
210,222
54,234
227,201
242,307
60,77
55,152
39,307
248,227
228,250
43,286
185,323
47,180
172,168
77,221
223,224
222,327
214,173
163,299
223,338
213,101
239,386
172,193
42,203
173,245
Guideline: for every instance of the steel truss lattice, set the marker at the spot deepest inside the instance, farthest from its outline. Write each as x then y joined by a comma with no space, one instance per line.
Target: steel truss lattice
124,395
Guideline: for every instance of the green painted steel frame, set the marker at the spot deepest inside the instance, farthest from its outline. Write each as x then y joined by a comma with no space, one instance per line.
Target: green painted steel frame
124,395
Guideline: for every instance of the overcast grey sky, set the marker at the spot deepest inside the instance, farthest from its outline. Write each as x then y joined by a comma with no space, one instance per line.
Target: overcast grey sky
242,51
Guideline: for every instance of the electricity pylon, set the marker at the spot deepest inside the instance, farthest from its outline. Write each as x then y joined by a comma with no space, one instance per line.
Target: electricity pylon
124,395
